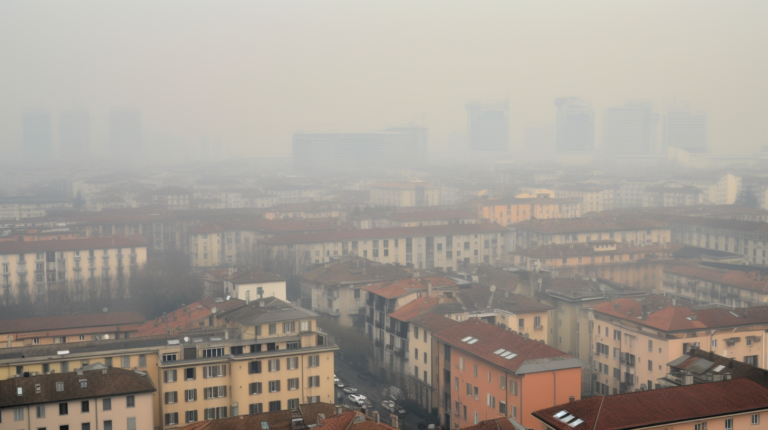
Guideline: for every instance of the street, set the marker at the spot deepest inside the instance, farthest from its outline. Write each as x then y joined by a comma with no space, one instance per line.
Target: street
349,377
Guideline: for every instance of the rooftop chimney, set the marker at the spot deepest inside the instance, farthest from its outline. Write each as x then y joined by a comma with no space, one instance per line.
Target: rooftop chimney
394,421
376,417
429,289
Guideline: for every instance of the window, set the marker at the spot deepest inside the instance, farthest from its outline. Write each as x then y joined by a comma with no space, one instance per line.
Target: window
749,341
314,360
169,375
274,406
477,419
313,399
125,361
461,363
477,393
171,397
59,386
293,403
650,345
475,370
64,369
650,365
274,365
536,322
273,328
107,403
304,325
167,358
18,414
131,423
130,401
170,419
215,371
469,389
85,406
729,424
85,426
292,362
751,359
293,384
490,401
40,411
254,367
292,345
254,388
142,360
274,386
755,419
513,387
255,408
289,327
108,423
314,381
213,352
190,395
190,416
63,408
502,408
215,392
107,362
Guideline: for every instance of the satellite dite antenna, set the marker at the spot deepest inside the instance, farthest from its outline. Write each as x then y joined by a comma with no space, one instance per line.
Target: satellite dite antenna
493,288
186,339
106,337
228,297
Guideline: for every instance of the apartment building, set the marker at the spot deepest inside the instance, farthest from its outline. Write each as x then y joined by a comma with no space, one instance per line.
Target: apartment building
634,341
91,398
718,189
747,238
481,371
69,328
422,217
626,229
234,242
405,194
438,246
254,284
335,289
723,284
509,211
638,266
672,194
186,319
594,198
39,269
736,404
702,367
24,207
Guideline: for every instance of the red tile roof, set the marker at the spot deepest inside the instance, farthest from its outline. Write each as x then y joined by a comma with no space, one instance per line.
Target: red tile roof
432,215
747,280
494,424
671,318
42,324
72,244
417,307
268,226
591,224
491,338
660,407
384,233
186,316
391,290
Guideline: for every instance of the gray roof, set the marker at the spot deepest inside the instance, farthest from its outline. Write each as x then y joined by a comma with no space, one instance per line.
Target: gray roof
548,364
27,352
265,311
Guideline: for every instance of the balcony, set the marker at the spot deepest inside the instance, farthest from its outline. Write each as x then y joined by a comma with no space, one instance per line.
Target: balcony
403,354
388,346
378,343
538,327
379,324
369,319
21,270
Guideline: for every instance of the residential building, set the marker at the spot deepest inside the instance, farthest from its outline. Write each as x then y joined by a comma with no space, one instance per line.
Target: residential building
594,198
304,416
685,129
69,328
639,266
74,134
438,246
37,135
46,269
672,194
748,238
732,285
17,208
424,217
719,189
633,341
253,285
98,398
630,129
702,367
732,404
188,318
335,289
625,229
405,194
509,211
484,371
575,126
233,242
488,125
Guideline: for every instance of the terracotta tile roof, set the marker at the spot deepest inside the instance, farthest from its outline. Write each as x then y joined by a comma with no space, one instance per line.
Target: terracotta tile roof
114,382
353,420
671,318
531,355
252,277
432,215
279,420
753,281
384,233
72,244
186,317
588,250
727,224
417,307
71,322
591,224
660,407
433,321
269,226
354,271
494,424
391,290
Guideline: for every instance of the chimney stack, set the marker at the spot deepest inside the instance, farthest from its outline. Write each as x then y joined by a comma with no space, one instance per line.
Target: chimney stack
394,420
429,289
376,417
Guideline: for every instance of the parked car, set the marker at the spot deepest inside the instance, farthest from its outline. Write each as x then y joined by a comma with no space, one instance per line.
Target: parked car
388,405
350,390
357,399
338,382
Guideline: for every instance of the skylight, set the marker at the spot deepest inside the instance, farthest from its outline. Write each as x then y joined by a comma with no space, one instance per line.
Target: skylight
499,351
466,338
511,356
733,313
718,368
560,414
471,342
506,354
567,419
577,422
173,342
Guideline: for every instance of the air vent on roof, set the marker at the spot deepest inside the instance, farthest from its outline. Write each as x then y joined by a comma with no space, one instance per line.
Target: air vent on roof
499,351
264,425
173,342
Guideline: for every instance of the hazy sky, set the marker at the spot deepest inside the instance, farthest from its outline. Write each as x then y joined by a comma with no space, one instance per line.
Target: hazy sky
250,73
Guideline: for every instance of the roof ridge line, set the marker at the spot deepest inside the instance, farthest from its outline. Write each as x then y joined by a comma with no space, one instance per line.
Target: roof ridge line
597,417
